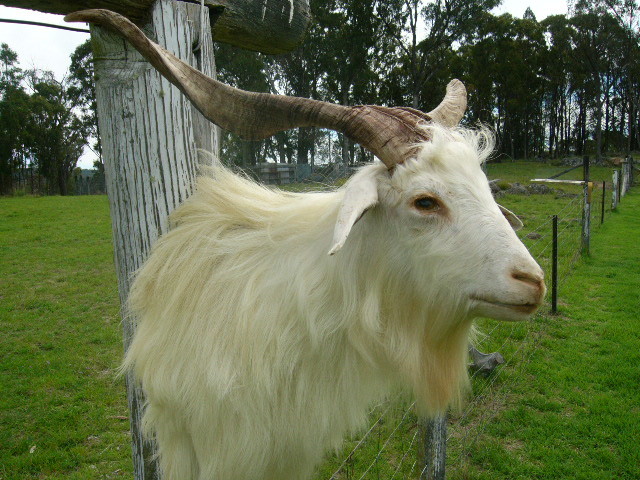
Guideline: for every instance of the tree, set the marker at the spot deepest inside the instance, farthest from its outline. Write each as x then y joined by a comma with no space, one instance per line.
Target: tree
10,75
49,124
351,30
302,73
529,15
246,70
14,112
441,24
504,71
597,45
56,135
626,13
82,92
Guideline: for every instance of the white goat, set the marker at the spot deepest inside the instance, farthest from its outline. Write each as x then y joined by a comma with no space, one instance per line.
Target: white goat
258,351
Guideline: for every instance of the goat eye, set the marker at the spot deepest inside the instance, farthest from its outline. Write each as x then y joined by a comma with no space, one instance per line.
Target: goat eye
426,204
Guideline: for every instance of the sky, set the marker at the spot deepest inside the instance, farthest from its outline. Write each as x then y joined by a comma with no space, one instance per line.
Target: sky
541,8
50,49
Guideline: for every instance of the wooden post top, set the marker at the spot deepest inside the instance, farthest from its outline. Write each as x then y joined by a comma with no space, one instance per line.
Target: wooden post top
267,26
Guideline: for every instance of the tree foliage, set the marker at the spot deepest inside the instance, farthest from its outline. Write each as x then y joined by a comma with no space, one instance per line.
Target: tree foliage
44,123
567,84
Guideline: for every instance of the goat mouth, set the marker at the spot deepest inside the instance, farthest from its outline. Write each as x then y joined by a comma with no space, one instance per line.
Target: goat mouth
493,306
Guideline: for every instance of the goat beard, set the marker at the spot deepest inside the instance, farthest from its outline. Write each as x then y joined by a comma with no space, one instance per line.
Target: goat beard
438,375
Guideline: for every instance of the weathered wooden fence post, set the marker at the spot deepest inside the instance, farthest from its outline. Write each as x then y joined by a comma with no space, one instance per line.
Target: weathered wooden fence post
435,448
620,176
586,214
434,431
150,135
627,175
614,189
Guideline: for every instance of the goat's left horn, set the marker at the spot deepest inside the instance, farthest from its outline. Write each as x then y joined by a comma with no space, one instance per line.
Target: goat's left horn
452,108
391,134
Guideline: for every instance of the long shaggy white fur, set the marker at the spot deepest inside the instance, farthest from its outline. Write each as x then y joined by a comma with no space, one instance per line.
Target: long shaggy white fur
258,352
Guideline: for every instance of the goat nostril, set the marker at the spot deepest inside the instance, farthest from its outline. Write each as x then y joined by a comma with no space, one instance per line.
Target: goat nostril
531,278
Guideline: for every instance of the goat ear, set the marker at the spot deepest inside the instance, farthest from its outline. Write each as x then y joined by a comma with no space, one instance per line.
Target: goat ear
511,217
361,193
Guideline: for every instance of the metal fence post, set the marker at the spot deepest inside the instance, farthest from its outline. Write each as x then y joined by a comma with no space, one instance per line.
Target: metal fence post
435,448
604,191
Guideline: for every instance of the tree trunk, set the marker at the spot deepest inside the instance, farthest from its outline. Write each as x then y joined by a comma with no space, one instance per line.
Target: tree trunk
553,117
567,133
282,147
345,150
313,146
62,181
415,99
599,132
582,125
607,119
150,134
304,140
631,124
248,149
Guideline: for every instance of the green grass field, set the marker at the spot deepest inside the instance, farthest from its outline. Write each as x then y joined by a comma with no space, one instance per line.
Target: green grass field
61,410
565,405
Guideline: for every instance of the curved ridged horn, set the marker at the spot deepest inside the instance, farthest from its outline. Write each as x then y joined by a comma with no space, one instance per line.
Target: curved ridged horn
452,108
389,133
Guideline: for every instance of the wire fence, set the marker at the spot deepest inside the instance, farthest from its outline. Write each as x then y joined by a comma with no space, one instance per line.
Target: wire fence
395,445
517,343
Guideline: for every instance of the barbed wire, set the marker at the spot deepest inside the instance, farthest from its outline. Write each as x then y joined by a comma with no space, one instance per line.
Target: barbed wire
361,441
405,453
387,441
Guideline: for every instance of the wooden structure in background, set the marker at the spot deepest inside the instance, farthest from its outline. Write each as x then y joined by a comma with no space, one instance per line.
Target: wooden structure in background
151,133
268,26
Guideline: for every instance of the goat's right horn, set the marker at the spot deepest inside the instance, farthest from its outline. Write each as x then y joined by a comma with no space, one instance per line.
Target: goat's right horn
391,134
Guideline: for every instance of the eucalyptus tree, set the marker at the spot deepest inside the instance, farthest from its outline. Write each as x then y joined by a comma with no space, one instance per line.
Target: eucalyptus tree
597,47
41,120
504,68
247,70
303,73
81,89
353,32
56,134
429,32
559,65
626,14
14,112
